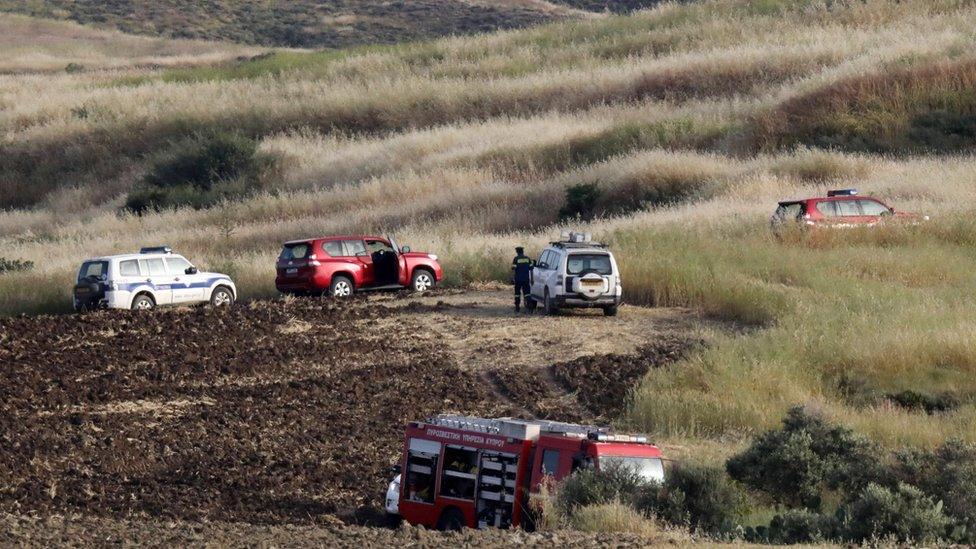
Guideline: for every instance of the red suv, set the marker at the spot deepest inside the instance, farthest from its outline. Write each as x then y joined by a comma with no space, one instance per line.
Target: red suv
841,208
342,265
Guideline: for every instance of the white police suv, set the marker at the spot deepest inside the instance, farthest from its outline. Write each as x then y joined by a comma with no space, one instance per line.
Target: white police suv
576,273
153,277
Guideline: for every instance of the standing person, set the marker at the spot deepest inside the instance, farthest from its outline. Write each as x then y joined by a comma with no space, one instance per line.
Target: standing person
521,276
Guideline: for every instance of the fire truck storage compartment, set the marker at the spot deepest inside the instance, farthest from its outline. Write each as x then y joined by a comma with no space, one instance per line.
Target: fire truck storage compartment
496,495
421,468
460,472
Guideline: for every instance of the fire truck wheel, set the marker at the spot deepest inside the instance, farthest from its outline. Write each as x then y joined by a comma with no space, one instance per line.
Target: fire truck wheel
451,520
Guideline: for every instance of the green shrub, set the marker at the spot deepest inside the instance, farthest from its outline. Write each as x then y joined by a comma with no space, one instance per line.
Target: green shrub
702,498
914,400
202,171
596,487
795,465
903,513
947,474
798,526
581,201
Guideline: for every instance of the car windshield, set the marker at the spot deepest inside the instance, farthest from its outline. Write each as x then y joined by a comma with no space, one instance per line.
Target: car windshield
582,263
95,269
649,468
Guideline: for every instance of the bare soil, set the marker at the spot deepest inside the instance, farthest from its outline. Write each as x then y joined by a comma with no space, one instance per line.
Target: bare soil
281,413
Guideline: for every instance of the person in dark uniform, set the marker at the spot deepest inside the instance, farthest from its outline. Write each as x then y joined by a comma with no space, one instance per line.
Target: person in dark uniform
521,276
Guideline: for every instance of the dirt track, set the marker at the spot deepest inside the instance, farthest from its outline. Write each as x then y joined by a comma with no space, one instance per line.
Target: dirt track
283,412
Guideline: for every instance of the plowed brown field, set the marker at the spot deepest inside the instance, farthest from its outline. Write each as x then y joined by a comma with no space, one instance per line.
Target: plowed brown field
276,412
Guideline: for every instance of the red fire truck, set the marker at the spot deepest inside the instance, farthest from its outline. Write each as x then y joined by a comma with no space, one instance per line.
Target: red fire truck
466,471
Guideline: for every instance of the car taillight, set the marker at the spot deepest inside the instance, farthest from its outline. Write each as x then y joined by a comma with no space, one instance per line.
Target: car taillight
313,261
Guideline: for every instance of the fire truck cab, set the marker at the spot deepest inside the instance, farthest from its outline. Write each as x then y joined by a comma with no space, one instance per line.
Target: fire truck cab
465,471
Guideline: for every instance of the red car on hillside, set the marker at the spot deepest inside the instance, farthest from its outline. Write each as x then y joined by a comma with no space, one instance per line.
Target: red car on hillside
840,208
342,265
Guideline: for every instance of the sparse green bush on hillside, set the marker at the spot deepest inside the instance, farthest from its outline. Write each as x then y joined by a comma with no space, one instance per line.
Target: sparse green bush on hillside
201,171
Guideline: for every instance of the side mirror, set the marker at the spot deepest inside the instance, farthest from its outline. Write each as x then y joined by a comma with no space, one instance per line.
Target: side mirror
405,249
191,270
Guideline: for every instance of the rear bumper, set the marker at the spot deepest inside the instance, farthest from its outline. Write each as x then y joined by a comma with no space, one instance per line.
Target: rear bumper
573,301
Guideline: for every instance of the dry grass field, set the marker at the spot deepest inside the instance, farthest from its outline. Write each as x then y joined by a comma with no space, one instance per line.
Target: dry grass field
691,119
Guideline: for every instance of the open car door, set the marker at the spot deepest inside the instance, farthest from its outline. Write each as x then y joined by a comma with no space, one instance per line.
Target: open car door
403,274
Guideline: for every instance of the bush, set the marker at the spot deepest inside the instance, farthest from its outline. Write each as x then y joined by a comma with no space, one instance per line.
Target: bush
798,463
914,400
14,265
202,171
798,526
701,498
597,487
903,513
947,474
581,201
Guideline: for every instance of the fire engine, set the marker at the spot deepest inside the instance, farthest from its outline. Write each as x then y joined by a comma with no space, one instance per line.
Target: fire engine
476,472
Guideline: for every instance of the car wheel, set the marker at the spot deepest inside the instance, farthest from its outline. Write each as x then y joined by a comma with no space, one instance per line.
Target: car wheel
222,297
451,520
550,304
143,303
341,287
610,310
422,281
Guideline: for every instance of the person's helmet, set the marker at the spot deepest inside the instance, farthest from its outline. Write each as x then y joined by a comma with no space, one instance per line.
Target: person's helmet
519,249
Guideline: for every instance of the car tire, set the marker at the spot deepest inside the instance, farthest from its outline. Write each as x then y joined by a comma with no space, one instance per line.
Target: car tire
341,287
550,304
422,280
451,520
222,296
610,310
143,302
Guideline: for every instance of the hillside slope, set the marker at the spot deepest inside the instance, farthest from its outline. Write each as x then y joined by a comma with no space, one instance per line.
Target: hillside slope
315,23
684,124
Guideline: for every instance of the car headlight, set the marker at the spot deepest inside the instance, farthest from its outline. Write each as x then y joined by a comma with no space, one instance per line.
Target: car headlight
432,256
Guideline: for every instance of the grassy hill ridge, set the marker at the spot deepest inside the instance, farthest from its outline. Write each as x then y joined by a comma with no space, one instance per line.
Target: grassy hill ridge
315,23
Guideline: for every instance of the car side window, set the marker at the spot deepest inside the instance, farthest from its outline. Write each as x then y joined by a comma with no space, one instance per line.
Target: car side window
872,207
153,267
129,268
847,208
374,246
177,266
353,247
554,260
827,209
333,248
